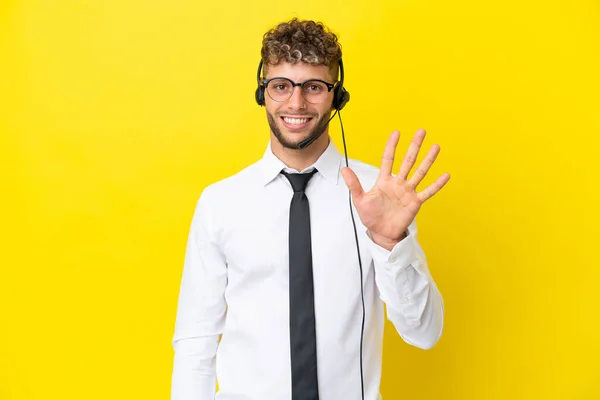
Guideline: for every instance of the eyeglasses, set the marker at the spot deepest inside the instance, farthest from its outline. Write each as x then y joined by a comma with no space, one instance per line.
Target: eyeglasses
314,90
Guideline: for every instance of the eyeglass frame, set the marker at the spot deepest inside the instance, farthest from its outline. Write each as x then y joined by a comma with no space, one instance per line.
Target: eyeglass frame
265,83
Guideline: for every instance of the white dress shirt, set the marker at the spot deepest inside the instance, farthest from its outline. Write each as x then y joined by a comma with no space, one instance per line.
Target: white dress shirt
233,312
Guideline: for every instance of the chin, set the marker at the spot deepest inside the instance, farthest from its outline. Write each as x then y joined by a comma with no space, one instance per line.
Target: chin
297,136
290,143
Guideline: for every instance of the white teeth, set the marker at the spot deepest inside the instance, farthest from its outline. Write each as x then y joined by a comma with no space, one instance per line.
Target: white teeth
295,121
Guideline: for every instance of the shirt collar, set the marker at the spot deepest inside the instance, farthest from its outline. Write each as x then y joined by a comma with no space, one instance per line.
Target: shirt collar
328,164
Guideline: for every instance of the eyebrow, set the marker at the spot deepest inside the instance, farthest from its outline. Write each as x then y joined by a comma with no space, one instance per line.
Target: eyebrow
307,80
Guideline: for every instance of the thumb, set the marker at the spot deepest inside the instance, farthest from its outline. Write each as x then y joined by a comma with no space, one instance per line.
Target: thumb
353,183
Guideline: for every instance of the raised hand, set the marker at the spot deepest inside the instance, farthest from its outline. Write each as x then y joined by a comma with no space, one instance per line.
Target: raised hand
392,204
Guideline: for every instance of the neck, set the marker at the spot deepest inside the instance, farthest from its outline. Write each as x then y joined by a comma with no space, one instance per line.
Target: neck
300,159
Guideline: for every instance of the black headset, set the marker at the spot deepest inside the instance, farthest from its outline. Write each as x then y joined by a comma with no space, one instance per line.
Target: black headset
340,95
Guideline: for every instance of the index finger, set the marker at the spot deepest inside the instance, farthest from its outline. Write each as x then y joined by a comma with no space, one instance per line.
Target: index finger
387,161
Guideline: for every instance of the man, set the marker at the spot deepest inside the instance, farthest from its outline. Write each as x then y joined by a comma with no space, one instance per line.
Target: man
272,266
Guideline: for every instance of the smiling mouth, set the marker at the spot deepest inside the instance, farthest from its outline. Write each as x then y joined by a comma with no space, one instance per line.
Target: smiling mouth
296,121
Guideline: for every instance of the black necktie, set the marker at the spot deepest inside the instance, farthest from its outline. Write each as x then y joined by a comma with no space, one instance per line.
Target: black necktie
303,341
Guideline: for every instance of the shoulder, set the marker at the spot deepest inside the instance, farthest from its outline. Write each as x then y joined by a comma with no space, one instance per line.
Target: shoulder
216,200
220,192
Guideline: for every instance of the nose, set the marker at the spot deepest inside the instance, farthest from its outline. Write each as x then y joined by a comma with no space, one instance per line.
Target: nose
296,100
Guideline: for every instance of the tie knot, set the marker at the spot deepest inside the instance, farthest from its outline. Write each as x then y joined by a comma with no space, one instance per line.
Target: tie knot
299,181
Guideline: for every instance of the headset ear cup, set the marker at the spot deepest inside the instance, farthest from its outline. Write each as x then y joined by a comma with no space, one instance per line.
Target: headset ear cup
340,97
345,98
336,97
260,95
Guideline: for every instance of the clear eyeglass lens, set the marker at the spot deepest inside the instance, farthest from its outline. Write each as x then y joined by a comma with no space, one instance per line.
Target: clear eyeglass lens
280,89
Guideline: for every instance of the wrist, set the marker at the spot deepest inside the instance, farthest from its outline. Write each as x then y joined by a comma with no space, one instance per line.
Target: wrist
385,242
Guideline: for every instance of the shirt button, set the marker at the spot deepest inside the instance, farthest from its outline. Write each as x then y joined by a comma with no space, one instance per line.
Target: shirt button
405,300
393,259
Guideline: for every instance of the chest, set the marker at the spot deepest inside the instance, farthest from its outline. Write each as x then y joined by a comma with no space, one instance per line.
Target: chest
256,240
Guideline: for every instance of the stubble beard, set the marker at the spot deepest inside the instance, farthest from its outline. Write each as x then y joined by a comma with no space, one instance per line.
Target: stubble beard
315,132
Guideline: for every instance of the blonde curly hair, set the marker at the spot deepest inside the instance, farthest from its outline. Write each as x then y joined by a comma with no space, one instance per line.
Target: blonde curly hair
301,41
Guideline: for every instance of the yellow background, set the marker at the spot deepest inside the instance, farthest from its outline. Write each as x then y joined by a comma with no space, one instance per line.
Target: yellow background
115,114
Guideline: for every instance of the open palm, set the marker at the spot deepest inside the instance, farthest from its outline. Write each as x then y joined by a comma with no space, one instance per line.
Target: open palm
393,203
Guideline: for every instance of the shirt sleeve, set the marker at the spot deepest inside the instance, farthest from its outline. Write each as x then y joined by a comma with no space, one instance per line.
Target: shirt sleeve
413,302
201,309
